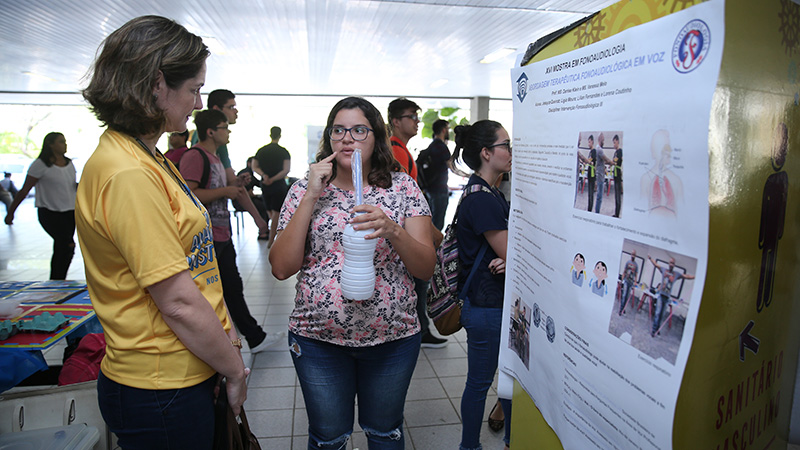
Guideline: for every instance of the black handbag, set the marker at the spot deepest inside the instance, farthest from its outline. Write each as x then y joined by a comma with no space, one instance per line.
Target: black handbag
231,432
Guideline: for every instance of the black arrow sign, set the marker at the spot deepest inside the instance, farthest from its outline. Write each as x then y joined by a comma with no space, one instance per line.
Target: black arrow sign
746,340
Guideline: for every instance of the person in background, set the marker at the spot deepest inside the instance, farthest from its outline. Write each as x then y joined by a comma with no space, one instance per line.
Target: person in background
343,349
255,181
177,147
436,190
7,184
148,248
485,147
212,130
225,101
273,163
55,177
403,115
5,197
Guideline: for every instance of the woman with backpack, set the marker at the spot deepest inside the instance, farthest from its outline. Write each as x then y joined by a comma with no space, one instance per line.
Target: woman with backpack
485,147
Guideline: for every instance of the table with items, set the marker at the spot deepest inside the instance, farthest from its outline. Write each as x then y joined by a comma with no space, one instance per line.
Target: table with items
34,316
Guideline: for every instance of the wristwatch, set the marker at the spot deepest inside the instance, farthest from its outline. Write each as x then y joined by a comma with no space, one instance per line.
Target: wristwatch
237,343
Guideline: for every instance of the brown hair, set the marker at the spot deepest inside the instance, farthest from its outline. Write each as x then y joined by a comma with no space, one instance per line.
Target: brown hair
121,88
382,161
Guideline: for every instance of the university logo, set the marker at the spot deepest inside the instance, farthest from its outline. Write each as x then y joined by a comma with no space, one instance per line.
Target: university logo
522,87
691,46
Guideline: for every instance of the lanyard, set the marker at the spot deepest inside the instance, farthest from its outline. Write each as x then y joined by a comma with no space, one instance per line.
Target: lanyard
167,168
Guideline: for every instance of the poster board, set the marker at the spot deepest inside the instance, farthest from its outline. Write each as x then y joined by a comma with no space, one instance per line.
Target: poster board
604,381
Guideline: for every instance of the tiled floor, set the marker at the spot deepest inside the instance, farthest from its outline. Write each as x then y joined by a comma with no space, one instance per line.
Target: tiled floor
275,405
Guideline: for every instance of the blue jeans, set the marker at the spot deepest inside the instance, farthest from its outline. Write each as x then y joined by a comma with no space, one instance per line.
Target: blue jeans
331,377
661,306
483,348
601,185
626,291
438,202
150,419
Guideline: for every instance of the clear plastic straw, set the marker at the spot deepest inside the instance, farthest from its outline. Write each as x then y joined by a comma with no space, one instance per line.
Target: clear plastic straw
357,180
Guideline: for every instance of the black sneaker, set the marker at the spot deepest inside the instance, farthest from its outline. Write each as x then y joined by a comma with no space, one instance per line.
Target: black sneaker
431,341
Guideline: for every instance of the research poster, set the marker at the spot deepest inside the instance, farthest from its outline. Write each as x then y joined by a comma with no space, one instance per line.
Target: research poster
608,231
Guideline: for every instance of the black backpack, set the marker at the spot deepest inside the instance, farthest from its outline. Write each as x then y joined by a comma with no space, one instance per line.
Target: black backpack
203,184
425,175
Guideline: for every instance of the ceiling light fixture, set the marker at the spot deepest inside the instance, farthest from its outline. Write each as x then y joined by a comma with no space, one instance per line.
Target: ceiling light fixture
497,54
439,83
38,75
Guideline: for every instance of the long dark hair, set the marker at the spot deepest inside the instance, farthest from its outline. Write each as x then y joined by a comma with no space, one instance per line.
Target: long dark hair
382,162
46,155
471,139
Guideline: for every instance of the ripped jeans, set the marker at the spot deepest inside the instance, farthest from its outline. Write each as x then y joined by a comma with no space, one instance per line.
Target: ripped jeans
331,377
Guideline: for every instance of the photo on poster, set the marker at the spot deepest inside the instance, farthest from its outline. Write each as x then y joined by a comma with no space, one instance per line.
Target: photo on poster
519,337
652,298
598,172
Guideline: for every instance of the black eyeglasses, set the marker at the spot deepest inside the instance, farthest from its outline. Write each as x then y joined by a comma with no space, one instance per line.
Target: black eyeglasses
231,107
221,128
507,145
411,116
358,133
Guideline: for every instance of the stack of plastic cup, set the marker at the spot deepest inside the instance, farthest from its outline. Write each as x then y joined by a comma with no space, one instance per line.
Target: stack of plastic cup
358,270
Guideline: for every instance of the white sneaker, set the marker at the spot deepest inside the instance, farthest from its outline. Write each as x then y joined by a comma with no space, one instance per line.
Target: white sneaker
269,340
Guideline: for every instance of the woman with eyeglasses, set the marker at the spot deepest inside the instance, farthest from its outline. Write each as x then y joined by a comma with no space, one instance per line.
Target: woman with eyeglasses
485,147
54,176
148,247
344,349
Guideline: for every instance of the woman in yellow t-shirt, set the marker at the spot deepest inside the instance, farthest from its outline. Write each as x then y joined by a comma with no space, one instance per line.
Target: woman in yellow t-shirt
148,247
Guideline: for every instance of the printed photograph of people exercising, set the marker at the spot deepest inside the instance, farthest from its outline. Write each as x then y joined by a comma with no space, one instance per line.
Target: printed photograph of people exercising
598,174
651,303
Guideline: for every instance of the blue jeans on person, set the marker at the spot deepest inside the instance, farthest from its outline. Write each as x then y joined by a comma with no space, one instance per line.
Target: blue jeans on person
483,348
151,419
331,377
438,202
626,290
661,305
601,183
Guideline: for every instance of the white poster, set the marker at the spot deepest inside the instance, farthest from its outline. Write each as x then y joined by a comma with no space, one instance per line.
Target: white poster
608,233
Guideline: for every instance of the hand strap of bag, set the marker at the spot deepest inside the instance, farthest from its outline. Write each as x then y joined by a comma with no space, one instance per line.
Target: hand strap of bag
468,190
481,252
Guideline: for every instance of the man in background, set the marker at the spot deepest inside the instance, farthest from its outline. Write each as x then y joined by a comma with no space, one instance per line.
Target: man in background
212,189
177,146
432,167
273,164
403,123
225,101
8,185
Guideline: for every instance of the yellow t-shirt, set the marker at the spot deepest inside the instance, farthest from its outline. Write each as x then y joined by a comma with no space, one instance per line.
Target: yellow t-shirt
136,227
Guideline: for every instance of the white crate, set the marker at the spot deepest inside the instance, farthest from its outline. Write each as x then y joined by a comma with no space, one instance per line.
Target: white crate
33,408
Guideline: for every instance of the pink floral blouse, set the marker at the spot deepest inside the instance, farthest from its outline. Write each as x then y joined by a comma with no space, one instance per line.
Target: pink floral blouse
320,311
